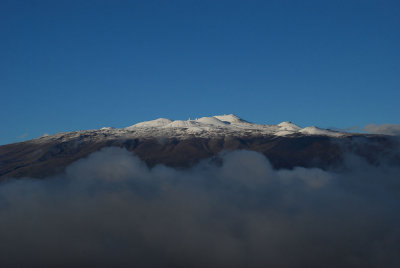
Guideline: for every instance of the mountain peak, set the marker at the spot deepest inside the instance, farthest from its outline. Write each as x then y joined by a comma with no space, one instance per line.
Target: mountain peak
230,118
227,124
160,122
287,125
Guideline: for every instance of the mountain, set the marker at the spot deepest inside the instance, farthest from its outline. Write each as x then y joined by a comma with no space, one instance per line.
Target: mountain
181,144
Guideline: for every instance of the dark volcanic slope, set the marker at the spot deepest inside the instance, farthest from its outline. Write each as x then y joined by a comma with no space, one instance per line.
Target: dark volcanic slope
40,158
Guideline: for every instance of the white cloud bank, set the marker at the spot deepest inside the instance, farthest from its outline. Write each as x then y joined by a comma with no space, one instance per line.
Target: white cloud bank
387,129
110,210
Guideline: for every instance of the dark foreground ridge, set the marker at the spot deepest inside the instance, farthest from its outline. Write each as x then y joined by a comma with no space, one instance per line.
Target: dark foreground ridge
39,158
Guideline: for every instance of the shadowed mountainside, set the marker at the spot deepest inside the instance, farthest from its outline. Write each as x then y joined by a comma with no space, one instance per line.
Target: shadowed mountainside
40,159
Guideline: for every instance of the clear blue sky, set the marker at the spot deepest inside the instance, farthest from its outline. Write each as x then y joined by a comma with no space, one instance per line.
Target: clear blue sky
70,65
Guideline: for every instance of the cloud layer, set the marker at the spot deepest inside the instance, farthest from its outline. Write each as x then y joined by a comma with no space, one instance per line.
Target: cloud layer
387,129
111,210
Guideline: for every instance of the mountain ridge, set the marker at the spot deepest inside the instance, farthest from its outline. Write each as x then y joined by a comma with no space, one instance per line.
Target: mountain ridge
182,144
218,125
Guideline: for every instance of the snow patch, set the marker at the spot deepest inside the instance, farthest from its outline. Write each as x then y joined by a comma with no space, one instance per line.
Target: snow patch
153,123
318,131
284,133
230,118
212,121
182,124
289,126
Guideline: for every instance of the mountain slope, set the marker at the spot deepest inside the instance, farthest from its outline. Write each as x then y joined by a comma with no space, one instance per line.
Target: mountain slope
183,143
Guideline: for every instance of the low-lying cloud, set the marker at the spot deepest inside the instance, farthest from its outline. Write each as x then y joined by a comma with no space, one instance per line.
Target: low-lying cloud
386,129
111,210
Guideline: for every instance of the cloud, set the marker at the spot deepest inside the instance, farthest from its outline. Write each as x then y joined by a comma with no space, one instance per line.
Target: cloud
110,209
348,129
387,129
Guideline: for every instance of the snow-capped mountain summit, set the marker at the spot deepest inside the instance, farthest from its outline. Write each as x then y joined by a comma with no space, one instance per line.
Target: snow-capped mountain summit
289,126
153,123
224,124
230,118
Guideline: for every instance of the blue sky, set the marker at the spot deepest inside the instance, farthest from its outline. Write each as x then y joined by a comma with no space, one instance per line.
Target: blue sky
70,65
